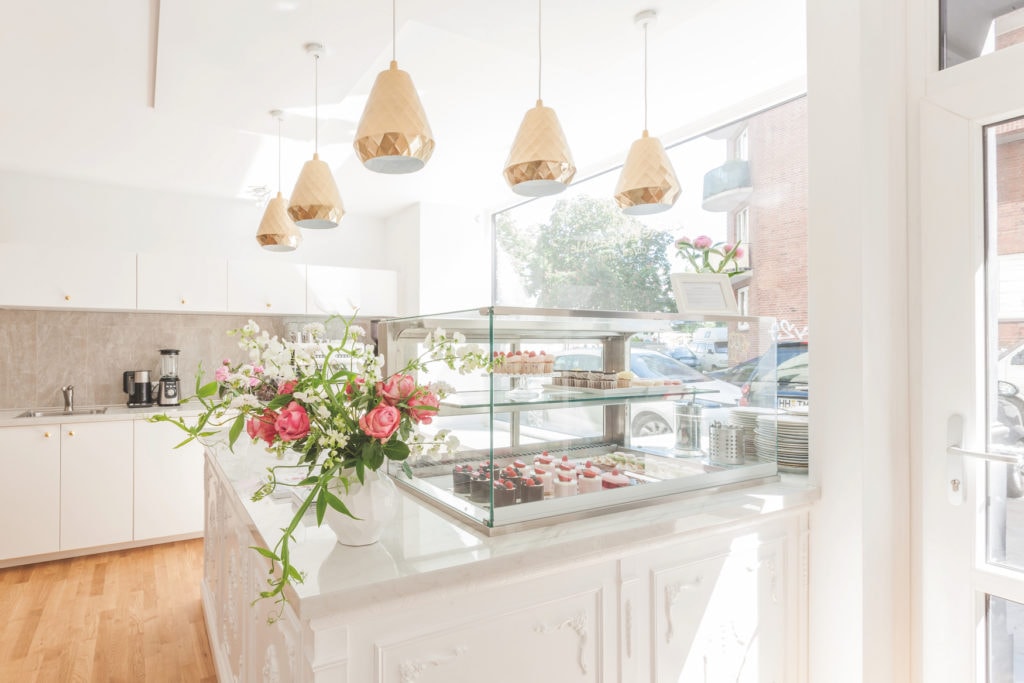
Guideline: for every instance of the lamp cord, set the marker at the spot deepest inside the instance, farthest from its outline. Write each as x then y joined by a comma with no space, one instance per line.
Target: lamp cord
394,33
316,103
540,52
645,76
279,155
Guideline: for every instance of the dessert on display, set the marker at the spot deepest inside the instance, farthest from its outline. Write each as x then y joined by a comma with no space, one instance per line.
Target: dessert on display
565,485
544,462
546,479
480,487
590,480
533,489
614,480
461,474
504,493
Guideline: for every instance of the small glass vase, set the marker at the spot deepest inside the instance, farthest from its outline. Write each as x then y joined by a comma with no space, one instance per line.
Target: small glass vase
374,502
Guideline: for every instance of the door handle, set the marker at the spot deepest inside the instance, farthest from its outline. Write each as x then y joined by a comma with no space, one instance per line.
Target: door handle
955,454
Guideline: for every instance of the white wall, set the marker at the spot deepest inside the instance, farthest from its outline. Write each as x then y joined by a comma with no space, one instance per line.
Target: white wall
49,210
402,236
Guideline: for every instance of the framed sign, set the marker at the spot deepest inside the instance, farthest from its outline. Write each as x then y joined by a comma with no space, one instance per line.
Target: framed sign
704,293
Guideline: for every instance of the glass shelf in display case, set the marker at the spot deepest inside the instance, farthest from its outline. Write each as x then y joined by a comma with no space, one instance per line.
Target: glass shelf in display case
585,413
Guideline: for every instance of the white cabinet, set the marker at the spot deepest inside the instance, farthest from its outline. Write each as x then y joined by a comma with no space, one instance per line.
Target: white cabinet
95,484
266,287
168,497
182,282
48,276
331,290
30,505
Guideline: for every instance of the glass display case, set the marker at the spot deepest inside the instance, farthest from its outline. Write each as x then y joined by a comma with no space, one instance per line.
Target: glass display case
590,410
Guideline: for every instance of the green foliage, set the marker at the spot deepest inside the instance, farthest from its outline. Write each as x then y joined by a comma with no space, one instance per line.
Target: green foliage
590,255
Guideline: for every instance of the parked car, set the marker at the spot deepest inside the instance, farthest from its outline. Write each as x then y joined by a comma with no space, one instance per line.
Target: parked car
788,382
743,372
684,355
711,355
648,418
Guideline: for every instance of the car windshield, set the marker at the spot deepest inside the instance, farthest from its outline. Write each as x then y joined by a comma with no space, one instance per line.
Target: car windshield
650,365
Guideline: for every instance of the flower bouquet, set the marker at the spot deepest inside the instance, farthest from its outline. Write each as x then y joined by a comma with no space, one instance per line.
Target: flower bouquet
707,256
330,406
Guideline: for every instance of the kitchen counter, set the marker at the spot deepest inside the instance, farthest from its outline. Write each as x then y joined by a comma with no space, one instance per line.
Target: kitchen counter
428,560
9,417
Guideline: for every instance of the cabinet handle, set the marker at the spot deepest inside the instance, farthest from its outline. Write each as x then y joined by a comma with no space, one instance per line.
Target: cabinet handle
67,297
46,435
268,304
71,433
183,302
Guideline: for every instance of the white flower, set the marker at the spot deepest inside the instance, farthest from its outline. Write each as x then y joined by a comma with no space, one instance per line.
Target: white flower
356,331
243,400
452,443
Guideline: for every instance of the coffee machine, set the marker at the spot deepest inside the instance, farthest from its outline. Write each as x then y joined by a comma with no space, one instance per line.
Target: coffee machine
136,385
168,390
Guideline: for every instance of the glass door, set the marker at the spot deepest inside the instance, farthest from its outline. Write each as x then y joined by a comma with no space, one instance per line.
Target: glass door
969,385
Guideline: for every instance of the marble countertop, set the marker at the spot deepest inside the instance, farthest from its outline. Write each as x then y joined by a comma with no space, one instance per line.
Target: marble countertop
9,417
426,550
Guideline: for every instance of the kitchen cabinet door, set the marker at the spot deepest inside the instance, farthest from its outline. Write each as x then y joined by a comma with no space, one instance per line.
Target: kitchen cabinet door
168,496
95,484
46,276
30,506
182,283
266,287
331,291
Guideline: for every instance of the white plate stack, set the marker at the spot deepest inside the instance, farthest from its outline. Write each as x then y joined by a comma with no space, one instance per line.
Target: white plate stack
746,417
786,435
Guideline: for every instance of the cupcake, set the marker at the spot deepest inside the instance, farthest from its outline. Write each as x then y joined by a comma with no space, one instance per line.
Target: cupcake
480,487
533,490
565,468
504,493
514,362
547,363
590,480
565,485
544,462
623,379
547,479
461,474
614,480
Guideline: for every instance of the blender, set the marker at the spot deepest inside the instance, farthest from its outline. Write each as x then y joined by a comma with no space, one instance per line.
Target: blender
168,390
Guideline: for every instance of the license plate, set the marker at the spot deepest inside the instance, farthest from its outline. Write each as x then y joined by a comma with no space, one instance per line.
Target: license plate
792,402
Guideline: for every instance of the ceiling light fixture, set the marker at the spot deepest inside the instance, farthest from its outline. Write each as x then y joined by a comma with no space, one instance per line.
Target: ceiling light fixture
539,163
316,202
393,135
277,232
648,182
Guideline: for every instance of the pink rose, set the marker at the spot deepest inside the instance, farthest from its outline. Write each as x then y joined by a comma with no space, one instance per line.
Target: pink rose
354,386
423,407
381,422
262,426
258,369
287,387
727,248
221,373
292,423
396,389
683,240
703,242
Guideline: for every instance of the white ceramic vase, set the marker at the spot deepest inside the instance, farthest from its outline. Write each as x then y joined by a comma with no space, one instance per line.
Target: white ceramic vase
374,502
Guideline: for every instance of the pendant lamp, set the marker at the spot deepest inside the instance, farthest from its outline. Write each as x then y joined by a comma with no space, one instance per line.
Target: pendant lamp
277,232
648,182
393,135
539,163
316,203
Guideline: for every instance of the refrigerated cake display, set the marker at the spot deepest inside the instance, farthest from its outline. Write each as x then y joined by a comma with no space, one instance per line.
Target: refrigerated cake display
591,413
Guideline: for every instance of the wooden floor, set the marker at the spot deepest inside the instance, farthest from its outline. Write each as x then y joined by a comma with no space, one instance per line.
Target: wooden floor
131,615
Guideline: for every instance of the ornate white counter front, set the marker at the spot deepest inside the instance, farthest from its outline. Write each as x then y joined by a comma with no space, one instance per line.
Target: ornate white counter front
708,586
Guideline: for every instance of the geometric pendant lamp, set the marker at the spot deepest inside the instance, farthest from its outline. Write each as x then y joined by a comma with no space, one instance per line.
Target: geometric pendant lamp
648,182
393,135
277,232
316,202
539,163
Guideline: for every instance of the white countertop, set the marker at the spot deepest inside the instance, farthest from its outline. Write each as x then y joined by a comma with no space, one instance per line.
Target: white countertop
9,417
426,550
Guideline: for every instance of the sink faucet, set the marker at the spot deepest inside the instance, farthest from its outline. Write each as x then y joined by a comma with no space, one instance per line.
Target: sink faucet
69,398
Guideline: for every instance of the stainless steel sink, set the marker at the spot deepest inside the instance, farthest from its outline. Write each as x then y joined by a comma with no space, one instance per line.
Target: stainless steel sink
60,412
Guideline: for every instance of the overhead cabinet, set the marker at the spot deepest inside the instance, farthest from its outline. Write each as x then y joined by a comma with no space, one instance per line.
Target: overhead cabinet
45,276
333,291
266,287
182,283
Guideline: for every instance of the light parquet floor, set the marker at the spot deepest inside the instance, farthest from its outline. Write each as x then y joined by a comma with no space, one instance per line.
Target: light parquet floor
130,615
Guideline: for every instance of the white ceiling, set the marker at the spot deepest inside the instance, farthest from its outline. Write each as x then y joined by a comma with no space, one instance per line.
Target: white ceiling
176,94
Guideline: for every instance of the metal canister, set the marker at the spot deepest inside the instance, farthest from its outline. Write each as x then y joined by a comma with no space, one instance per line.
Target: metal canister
688,427
727,444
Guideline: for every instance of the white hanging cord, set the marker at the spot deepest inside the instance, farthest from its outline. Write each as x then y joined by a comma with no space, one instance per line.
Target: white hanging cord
316,103
279,155
539,50
394,33
645,76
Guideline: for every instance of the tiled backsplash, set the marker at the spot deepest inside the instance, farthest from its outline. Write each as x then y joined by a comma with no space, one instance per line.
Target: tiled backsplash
40,351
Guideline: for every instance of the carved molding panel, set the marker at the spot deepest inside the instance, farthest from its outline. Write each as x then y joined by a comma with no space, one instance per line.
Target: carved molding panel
411,670
578,624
